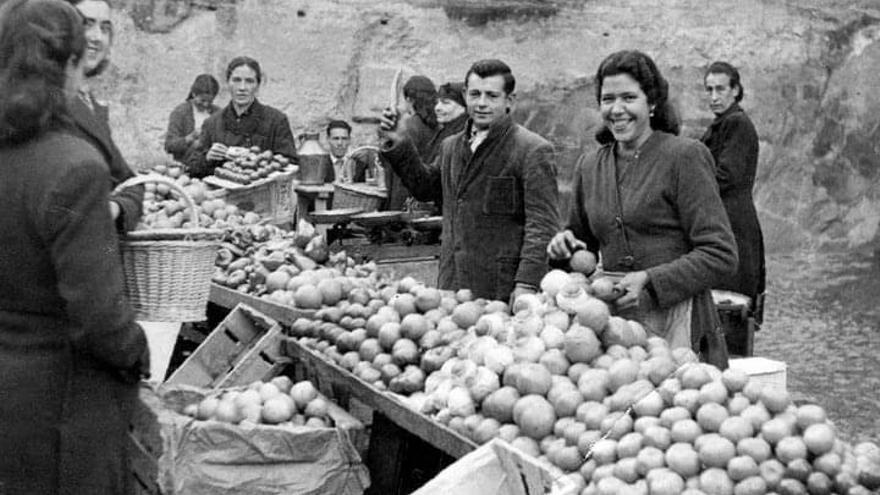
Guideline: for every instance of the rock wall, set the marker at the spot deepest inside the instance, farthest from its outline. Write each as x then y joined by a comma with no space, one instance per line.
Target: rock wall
808,67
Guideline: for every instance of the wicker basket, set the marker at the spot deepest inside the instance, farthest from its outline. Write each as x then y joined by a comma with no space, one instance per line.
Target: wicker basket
168,271
365,197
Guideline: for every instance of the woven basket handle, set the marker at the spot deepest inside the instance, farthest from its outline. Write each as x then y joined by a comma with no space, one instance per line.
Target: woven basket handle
161,179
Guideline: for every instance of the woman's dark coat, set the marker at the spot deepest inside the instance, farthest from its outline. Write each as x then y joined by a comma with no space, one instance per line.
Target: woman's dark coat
260,125
733,141
70,351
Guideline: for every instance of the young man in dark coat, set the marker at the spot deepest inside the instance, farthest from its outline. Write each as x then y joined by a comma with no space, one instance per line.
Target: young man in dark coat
497,182
91,118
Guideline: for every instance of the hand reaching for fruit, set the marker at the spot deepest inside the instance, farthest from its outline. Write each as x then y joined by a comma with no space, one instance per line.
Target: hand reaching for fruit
632,285
563,245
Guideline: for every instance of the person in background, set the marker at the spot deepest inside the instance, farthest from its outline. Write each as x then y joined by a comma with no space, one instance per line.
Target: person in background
91,118
647,200
185,122
339,139
451,112
419,125
244,122
71,355
497,183
733,141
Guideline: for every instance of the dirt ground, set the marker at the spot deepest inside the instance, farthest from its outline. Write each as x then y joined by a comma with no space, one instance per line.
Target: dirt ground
822,318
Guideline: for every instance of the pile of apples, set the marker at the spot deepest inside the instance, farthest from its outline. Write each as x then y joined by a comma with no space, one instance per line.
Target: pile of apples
286,267
276,402
246,165
589,393
164,208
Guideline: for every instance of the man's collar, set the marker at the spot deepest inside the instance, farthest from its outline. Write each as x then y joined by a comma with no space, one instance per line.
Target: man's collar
494,129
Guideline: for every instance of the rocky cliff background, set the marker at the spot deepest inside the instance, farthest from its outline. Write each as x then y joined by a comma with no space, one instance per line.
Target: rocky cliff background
809,67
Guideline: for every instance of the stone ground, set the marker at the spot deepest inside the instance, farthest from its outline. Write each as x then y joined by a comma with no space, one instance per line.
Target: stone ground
822,318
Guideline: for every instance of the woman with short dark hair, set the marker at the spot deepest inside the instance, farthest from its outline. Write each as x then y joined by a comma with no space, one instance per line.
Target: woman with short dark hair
185,122
245,122
647,200
71,354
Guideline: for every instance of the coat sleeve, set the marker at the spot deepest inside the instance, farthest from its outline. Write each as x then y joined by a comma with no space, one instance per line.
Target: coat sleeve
130,199
578,217
423,180
713,254
540,201
176,143
282,139
197,164
739,145
84,250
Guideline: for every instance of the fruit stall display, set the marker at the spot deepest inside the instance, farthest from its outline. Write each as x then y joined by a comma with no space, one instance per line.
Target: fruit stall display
290,268
267,437
585,391
164,209
248,165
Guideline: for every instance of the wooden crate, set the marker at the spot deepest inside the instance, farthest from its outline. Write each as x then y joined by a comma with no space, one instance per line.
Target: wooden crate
230,298
243,348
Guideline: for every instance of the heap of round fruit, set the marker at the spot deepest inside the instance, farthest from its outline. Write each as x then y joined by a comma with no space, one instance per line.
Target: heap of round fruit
247,165
291,269
390,336
276,402
165,208
562,379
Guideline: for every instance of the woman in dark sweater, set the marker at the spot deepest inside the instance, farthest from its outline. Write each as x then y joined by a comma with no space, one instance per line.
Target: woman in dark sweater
733,141
647,200
244,122
71,354
185,122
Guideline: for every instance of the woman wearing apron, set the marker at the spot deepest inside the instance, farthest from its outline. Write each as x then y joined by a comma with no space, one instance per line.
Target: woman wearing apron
647,201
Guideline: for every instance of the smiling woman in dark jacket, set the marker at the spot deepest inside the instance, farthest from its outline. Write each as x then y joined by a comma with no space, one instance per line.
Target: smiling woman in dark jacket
647,200
70,352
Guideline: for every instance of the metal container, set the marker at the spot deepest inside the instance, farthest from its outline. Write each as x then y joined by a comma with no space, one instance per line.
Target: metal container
313,160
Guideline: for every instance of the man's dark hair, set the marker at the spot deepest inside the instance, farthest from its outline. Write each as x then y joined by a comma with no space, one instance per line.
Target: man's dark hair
338,124
732,74
244,60
492,67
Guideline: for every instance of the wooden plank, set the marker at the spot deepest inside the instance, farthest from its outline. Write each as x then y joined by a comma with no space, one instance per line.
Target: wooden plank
420,425
230,298
244,347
